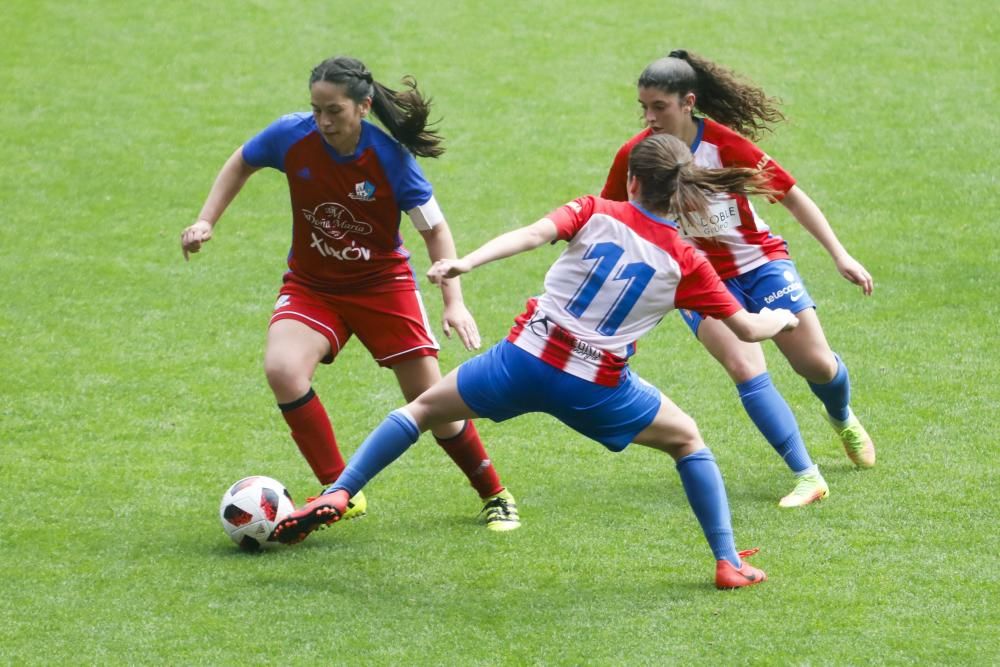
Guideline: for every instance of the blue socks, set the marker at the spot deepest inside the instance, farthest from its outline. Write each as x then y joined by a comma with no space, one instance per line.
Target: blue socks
382,446
774,419
707,495
836,394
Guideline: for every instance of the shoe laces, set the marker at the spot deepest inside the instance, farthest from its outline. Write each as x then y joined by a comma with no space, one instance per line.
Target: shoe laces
853,436
498,507
805,485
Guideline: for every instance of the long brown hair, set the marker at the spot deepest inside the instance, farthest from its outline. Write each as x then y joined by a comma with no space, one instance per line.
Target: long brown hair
672,184
719,92
404,114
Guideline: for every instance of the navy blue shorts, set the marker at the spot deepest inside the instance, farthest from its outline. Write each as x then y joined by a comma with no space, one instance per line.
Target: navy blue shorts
505,381
773,285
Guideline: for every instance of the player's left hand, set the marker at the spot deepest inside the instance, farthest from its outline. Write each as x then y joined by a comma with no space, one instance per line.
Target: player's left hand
852,269
458,317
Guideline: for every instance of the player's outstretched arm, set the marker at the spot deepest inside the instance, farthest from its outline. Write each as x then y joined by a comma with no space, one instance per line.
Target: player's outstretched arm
228,183
754,327
441,246
809,215
506,245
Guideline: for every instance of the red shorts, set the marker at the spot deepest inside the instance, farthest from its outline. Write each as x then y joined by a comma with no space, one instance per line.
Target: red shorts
392,325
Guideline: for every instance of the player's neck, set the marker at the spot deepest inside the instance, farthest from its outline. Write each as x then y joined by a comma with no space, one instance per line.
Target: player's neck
689,130
348,145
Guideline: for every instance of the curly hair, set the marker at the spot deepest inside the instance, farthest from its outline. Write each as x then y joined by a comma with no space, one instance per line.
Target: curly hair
719,93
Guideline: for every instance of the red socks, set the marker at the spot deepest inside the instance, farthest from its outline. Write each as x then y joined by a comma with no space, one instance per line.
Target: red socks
313,433
468,453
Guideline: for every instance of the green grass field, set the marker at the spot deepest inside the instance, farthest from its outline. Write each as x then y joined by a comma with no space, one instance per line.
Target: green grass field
131,389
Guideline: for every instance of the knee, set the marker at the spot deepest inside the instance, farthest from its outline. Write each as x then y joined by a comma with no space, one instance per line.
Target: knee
741,369
688,438
286,378
683,438
817,368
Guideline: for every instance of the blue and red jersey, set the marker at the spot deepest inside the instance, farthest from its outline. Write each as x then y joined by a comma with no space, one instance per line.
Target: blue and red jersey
346,209
733,237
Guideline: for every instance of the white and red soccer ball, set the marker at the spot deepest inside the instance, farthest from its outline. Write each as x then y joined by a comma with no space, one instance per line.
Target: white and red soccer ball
251,508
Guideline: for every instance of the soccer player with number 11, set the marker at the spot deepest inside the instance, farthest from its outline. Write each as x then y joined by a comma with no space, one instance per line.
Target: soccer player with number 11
624,268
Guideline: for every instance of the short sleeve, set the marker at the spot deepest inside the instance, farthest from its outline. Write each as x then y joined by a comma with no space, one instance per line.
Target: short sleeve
268,148
572,216
615,188
747,154
702,291
409,185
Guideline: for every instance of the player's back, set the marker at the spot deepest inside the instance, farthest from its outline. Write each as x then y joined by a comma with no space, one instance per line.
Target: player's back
623,270
617,277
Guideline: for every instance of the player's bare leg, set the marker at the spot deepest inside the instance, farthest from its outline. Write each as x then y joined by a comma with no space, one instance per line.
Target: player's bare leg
291,357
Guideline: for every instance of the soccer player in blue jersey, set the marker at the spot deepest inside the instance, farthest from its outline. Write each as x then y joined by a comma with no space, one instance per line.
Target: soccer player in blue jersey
625,267
348,272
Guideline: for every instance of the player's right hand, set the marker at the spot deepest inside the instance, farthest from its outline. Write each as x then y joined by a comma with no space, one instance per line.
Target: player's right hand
192,237
783,314
447,268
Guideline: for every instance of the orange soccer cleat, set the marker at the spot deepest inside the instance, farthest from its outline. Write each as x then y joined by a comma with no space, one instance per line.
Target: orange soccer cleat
727,576
317,513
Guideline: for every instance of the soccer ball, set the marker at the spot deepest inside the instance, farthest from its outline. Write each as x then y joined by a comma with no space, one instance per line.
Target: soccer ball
251,508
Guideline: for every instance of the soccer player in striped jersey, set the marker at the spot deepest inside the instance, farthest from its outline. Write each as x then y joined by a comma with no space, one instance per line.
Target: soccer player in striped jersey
348,272
624,268
751,259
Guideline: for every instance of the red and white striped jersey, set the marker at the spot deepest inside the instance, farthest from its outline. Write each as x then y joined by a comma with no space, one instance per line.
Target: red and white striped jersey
623,270
733,238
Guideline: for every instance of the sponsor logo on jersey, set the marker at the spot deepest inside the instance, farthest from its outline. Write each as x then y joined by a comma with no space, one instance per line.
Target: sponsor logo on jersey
792,286
283,301
363,191
764,159
539,324
335,221
353,253
722,217
576,346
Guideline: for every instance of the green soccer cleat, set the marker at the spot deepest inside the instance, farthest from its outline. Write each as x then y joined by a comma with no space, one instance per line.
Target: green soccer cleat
857,443
357,506
808,489
500,512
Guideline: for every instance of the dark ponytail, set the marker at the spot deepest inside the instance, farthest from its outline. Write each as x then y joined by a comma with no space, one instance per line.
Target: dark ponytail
404,114
719,94
673,185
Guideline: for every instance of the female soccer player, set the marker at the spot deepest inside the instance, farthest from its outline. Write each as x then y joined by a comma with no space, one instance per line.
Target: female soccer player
625,267
753,262
348,272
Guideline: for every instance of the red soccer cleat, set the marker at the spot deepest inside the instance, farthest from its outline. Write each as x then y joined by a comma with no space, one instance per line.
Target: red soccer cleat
319,512
727,576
